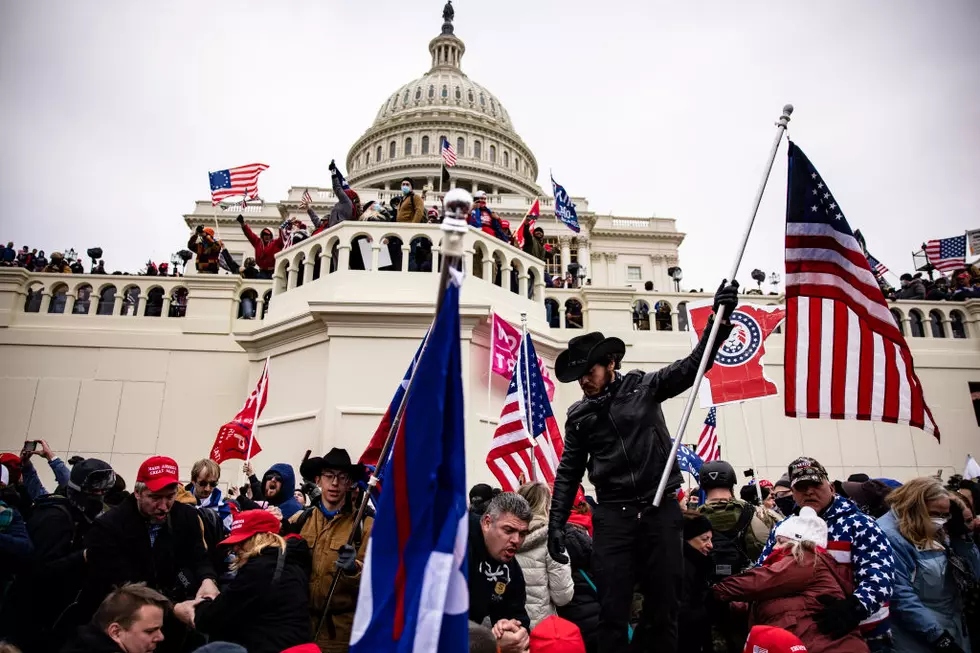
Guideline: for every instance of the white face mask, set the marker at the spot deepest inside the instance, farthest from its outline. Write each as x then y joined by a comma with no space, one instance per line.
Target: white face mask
938,522
406,190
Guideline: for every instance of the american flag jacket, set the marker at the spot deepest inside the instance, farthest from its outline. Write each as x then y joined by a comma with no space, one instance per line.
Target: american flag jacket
854,539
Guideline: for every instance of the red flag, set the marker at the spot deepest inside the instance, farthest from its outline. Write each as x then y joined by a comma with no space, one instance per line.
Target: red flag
533,212
234,438
737,374
505,342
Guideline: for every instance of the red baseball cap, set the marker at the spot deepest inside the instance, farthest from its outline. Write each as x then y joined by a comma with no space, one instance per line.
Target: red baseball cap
556,635
249,523
769,639
157,473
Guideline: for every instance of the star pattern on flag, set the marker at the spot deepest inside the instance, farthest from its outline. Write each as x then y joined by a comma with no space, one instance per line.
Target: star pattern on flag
220,179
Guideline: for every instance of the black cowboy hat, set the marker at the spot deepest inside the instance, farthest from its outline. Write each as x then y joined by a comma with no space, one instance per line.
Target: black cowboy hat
585,351
337,459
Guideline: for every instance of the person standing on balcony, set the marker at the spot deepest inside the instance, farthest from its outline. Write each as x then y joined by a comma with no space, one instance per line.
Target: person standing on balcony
207,249
483,218
618,432
266,248
348,206
412,207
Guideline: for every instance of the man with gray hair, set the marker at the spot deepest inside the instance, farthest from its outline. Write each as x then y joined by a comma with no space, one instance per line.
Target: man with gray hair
496,583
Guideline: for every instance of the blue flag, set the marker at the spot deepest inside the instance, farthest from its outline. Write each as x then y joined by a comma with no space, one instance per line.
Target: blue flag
689,461
413,593
564,209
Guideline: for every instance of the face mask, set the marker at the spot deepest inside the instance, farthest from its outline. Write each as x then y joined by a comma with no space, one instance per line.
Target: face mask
938,522
406,190
786,504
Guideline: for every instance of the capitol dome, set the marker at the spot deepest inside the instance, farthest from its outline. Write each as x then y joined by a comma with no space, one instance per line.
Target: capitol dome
405,139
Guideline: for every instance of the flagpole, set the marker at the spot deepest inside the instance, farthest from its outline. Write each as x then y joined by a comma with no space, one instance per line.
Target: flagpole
255,419
493,330
457,206
527,399
781,126
748,438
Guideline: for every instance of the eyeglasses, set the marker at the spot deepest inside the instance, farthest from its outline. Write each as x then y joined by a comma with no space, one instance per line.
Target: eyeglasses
208,483
340,478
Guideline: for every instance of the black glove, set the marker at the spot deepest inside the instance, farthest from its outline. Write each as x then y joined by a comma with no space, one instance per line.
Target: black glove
347,560
240,219
946,644
332,166
726,299
200,229
839,616
556,544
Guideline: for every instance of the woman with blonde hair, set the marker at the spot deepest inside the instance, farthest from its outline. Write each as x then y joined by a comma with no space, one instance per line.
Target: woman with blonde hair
549,583
265,608
926,606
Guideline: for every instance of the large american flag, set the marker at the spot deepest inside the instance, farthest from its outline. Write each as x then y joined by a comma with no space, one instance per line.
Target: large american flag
708,449
448,154
510,458
243,180
947,254
845,357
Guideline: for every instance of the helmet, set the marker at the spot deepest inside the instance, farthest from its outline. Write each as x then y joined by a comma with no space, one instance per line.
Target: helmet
88,484
480,195
717,473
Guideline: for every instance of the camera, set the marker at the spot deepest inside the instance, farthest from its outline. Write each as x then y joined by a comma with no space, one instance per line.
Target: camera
749,473
94,252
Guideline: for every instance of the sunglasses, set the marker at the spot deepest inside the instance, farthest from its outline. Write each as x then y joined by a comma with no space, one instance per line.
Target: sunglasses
208,483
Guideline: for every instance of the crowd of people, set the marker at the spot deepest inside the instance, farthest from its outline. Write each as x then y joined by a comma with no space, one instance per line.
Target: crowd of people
960,286
33,260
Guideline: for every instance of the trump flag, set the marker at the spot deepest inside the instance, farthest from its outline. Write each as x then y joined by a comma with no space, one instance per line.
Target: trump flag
738,373
413,593
505,345
236,439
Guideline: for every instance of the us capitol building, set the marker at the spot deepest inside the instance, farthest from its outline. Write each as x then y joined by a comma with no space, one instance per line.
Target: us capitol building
121,368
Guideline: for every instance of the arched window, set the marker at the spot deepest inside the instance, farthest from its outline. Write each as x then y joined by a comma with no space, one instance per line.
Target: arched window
460,146
33,302
408,146
493,154
154,302
59,297
899,322
483,100
418,93
641,316
106,301
247,304
662,317
517,163
83,300
493,107
915,324
506,159
391,150
573,314
178,302
432,92
367,157
477,149
266,300
459,95
131,299
377,156
442,139
425,145
936,320
469,96
552,313
956,324
405,98
445,91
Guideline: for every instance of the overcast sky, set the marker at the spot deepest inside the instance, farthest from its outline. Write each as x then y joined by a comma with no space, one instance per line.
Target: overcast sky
112,112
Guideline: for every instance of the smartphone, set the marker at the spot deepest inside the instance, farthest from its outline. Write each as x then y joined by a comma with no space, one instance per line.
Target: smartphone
31,445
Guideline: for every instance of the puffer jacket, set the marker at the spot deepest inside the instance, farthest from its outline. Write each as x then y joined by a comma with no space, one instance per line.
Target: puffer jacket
549,584
622,438
785,594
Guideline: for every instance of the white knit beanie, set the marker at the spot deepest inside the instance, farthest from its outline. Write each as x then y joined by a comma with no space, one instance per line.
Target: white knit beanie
804,527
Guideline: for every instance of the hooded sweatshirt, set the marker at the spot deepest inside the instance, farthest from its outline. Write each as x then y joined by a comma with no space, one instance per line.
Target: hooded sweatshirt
265,255
287,503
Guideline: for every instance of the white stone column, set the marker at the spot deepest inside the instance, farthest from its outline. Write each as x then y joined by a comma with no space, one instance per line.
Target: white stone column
926,324
539,286
673,318
291,277
583,252
69,303
325,259
375,255
278,284
93,303
45,301
343,251
436,251
165,311
488,268
468,263
140,309
522,284
308,266
596,258
566,253
611,268
117,303
406,252
259,303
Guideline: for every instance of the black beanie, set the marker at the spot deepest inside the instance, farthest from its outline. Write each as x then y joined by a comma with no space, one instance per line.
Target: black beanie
694,526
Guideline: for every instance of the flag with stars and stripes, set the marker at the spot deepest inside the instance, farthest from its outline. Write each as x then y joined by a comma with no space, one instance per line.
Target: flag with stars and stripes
527,428
307,200
448,154
243,180
947,254
877,266
844,355
708,448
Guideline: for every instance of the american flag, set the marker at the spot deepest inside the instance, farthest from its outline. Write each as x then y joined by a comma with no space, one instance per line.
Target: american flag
509,458
844,356
708,449
243,180
877,266
307,200
947,254
448,154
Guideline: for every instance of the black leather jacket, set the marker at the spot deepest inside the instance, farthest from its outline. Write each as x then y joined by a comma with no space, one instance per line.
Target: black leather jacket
624,442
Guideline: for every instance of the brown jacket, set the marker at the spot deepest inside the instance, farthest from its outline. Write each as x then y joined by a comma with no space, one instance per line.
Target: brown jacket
325,539
411,209
784,594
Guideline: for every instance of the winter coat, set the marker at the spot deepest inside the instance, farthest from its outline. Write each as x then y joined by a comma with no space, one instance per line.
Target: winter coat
622,438
91,639
915,290
15,544
119,551
583,609
262,614
855,540
532,245
265,255
784,594
285,500
724,516
207,250
548,584
325,537
484,220
693,618
411,209
925,600
497,588
32,481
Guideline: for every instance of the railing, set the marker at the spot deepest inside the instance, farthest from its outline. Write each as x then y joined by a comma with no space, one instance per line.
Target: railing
100,294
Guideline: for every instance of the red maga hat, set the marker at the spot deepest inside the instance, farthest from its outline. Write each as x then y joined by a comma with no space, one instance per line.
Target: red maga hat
249,523
157,473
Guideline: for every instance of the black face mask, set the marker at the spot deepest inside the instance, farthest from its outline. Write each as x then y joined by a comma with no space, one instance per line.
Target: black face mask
786,504
90,505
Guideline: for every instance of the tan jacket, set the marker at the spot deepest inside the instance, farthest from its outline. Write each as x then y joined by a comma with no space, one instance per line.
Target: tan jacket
411,209
325,539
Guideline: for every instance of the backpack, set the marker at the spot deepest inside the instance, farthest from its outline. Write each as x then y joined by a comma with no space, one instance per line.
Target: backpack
728,556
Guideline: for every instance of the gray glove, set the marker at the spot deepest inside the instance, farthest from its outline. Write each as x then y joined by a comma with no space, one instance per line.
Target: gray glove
347,560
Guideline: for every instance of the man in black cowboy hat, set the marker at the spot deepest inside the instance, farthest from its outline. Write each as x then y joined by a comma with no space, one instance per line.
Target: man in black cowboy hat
617,432
326,526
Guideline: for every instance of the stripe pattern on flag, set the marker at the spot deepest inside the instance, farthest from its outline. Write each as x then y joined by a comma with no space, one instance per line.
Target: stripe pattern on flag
243,180
845,357
947,254
510,451
708,449
448,154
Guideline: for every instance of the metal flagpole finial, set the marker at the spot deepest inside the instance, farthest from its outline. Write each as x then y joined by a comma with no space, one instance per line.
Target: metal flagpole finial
784,119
